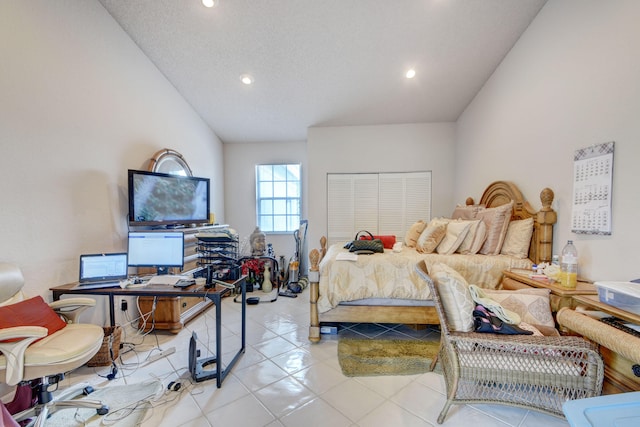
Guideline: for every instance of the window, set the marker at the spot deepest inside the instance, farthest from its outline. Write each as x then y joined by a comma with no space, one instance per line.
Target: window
278,191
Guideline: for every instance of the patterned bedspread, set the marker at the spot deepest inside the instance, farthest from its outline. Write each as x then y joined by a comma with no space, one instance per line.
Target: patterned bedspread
393,275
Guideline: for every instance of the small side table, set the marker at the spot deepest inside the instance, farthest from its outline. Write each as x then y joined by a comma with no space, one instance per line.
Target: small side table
559,297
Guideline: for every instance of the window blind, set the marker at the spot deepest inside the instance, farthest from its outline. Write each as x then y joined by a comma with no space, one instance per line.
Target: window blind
382,203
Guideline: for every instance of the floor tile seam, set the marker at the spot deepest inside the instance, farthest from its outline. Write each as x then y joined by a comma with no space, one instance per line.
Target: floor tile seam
207,414
338,410
204,411
442,393
474,407
274,355
391,398
277,336
384,400
277,417
524,418
291,376
356,379
167,404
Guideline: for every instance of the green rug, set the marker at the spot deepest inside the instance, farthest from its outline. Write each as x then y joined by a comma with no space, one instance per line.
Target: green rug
374,357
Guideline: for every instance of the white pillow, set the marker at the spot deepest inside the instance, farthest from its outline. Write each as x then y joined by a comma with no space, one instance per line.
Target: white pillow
475,238
456,299
456,232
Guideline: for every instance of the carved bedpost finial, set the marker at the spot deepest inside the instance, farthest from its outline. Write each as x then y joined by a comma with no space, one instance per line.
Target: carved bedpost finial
546,197
469,201
314,259
323,246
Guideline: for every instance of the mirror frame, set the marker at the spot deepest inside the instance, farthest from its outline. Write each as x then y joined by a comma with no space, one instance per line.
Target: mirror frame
168,156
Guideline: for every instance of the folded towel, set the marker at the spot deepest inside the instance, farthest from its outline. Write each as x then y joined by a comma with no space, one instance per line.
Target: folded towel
479,297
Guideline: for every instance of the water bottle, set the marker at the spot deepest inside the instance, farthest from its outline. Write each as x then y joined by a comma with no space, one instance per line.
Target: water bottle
569,266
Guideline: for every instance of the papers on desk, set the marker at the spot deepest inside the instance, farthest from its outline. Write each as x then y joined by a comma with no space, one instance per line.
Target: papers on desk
166,279
346,256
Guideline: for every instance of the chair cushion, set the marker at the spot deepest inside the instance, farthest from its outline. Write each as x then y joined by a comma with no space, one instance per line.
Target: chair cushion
74,342
31,312
531,304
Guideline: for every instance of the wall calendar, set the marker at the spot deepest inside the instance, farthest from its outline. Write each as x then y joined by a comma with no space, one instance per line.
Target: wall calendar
592,188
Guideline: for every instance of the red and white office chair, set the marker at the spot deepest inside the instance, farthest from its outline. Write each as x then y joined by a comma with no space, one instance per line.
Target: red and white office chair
40,341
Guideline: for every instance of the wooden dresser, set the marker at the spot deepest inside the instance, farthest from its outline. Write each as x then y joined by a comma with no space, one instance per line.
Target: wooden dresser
173,313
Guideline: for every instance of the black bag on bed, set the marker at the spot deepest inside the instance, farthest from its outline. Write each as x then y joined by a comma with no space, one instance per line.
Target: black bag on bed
365,246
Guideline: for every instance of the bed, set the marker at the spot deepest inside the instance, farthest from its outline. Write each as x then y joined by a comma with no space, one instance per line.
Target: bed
385,288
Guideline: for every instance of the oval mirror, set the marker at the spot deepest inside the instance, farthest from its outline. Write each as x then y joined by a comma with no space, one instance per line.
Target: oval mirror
169,161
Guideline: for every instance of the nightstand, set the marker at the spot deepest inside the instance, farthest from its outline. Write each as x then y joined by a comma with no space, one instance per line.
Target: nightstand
559,297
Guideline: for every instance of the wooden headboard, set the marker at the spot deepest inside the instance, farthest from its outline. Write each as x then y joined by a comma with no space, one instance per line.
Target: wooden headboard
501,192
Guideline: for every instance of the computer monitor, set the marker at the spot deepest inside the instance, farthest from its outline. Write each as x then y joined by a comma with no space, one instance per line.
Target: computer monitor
159,249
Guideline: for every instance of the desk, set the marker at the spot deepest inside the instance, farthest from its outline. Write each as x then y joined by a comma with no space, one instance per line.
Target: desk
214,294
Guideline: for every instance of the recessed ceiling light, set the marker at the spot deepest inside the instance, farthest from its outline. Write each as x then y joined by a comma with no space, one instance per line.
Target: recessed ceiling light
411,73
210,3
246,79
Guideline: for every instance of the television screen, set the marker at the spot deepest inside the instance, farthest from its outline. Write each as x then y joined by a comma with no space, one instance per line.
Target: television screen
164,199
159,249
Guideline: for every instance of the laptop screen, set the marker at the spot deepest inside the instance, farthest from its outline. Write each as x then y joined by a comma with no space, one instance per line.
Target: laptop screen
103,267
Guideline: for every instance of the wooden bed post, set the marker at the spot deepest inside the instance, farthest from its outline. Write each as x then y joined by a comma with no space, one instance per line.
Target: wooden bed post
546,217
314,278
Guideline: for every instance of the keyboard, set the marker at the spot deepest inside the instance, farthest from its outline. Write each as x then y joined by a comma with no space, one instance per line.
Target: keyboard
97,285
166,279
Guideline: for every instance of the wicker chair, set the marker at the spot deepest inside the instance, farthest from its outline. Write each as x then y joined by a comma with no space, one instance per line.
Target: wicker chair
531,372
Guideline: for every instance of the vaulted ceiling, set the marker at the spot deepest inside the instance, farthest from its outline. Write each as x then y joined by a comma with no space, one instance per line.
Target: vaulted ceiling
324,63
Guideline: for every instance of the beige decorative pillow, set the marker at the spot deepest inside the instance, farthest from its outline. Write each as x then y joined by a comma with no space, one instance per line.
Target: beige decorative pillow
475,238
413,233
531,304
456,299
497,221
431,237
457,230
518,238
467,211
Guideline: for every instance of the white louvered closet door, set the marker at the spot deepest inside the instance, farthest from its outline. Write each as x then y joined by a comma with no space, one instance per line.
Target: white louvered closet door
382,203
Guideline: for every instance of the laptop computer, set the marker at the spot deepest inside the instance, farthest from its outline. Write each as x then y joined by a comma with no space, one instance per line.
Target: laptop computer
102,270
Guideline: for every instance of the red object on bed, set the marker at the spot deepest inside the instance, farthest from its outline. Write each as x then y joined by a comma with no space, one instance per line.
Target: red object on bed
387,240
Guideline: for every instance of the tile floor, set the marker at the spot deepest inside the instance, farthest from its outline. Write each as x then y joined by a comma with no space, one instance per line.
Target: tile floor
284,380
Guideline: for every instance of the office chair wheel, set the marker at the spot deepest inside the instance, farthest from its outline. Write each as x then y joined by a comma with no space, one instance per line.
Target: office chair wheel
103,411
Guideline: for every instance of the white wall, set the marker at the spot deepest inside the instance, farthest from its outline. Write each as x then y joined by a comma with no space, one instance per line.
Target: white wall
384,148
571,81
80,105
240,186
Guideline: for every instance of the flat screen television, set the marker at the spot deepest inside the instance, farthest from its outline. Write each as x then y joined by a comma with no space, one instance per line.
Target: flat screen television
158,249
160,199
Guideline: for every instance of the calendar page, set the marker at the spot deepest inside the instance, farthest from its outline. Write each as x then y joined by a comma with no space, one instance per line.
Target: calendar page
592,187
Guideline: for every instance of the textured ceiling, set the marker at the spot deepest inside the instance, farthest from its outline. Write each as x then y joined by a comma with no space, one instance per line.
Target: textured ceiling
324,63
